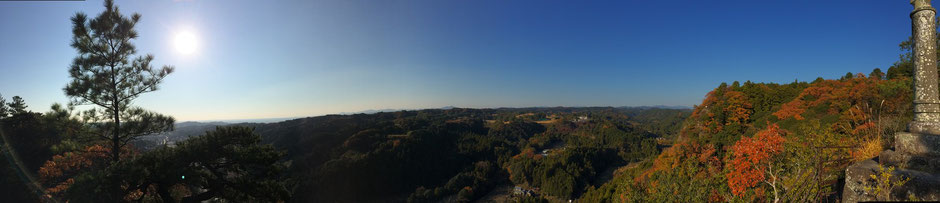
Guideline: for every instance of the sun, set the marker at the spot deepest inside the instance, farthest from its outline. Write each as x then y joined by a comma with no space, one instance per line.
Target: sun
186,42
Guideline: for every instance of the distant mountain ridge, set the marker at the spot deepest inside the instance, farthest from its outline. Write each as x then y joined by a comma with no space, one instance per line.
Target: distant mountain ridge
185,130
677,107
373,111
234,121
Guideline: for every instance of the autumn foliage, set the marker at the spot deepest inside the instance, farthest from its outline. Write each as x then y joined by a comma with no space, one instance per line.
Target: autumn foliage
751,157
722,108
853,100
57,173
738,142
737,107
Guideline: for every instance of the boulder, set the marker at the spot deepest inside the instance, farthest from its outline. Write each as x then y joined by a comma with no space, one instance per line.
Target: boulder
920,163
921,186
916,144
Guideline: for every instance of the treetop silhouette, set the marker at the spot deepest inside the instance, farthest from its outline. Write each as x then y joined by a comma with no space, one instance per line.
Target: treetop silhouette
106,74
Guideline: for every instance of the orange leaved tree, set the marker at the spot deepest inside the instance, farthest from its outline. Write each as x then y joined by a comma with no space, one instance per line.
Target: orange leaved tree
752,159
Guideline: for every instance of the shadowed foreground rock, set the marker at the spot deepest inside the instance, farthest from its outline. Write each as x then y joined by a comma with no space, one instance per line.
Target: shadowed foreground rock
922,186
918,144
915,158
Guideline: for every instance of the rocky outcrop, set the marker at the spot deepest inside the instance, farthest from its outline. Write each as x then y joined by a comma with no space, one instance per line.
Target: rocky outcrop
902,160
921,186
915,158
917,144
856,178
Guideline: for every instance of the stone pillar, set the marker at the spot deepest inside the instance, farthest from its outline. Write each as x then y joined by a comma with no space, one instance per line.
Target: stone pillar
926,102
916,153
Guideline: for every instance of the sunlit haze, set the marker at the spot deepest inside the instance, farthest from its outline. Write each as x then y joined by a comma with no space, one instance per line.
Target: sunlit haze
185,42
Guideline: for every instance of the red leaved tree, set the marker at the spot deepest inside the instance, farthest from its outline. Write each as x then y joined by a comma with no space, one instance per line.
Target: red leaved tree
752,157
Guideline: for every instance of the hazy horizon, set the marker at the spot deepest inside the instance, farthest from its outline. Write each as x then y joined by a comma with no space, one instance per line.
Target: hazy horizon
271,60
372,111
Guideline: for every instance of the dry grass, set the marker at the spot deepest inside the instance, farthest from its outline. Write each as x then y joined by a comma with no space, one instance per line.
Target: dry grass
868,149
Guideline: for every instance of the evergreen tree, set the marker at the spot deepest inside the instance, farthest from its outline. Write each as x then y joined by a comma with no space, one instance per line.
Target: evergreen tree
228,164
818,79
904,67
847,76
18,106
877,74
105,75
4,111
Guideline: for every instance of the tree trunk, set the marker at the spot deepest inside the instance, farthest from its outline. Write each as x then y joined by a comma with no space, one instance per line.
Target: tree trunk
115,147
116,105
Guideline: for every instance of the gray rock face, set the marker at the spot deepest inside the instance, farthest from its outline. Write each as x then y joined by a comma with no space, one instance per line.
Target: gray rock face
856,176
916,144
920,163
926,128
922,186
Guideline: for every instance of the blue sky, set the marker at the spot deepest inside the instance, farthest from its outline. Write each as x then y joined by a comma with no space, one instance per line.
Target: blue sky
260,59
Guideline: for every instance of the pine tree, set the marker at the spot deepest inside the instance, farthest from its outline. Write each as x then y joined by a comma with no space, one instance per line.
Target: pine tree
4,111
904,67
877,74
105,75
18,106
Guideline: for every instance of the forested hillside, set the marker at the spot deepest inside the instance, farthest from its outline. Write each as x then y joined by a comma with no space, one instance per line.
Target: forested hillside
464,154
767,142
739,138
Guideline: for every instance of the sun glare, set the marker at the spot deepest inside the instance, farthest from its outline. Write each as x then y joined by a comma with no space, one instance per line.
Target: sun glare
185,42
